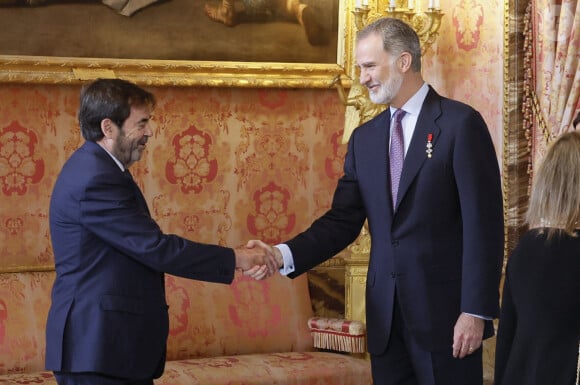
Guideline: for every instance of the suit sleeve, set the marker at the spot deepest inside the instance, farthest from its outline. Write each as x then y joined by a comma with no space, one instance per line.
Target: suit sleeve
479,188
112,211
337,228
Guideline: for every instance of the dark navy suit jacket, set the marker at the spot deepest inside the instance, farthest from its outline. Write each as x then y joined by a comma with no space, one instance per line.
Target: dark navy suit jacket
109,313
442,247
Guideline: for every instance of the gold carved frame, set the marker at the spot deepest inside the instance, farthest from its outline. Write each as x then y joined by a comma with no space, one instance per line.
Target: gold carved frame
70,70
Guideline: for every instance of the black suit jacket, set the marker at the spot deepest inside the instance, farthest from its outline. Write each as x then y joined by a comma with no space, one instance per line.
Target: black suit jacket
539,324
442,247
109,313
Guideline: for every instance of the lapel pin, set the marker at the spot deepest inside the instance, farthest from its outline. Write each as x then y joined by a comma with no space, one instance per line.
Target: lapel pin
429,149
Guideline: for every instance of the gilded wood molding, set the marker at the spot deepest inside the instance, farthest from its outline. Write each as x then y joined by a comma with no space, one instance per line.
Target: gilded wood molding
52,70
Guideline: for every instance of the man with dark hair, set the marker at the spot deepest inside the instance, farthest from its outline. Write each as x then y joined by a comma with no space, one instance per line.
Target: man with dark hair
108,322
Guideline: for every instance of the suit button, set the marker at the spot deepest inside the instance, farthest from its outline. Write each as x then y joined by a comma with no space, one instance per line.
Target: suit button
395,243
393,275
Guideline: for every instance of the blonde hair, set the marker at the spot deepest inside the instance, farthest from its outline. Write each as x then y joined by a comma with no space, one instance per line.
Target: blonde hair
555,199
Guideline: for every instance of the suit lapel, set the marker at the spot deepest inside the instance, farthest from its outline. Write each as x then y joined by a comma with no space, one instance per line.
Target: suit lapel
109,162
379,144
138,193
416,154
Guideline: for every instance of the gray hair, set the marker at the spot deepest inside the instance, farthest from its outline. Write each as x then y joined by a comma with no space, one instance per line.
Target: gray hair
398,37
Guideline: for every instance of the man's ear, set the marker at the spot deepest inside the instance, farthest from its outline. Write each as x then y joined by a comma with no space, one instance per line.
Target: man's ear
107,128
405,61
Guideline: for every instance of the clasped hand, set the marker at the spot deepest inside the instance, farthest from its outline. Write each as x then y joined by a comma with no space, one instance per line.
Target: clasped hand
258,260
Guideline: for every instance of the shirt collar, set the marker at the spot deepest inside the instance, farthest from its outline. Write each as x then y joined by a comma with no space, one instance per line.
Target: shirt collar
115,159
414,104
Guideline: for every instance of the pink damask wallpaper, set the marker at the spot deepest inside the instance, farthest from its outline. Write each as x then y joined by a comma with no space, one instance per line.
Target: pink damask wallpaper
223,165
466,61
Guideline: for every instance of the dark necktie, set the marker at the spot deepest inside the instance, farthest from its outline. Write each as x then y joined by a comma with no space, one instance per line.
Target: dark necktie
397,153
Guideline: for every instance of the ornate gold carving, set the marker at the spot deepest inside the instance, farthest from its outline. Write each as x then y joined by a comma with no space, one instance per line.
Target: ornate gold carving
53,70
356,267
425,22
355,287
361,248
359,108
336,261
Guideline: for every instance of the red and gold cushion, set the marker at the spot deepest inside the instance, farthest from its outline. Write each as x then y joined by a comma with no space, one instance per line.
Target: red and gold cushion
209,320
338,334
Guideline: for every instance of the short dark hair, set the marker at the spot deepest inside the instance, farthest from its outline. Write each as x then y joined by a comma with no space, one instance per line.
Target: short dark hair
109,99
576,121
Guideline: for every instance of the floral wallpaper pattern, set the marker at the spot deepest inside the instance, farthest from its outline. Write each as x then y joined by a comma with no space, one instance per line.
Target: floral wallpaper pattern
223,166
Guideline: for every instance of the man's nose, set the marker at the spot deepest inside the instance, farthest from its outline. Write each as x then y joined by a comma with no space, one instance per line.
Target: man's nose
363,76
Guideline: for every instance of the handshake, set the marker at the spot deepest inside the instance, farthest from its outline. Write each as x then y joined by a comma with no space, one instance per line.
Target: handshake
258,260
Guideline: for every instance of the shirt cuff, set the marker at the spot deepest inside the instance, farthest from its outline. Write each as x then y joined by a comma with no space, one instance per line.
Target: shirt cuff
288,259
479,316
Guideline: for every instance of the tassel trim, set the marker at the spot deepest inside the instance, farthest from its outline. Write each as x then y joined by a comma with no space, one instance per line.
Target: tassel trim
324,339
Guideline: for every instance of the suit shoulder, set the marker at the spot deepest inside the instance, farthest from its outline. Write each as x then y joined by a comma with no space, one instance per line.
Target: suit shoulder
371,125
89,162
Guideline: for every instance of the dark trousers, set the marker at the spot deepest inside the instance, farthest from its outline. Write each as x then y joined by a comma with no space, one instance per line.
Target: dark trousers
95,379
404,362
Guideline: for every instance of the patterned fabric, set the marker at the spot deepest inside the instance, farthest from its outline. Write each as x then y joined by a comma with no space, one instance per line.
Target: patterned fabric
24,303
553,72
266,369
38,378
209,320
355,328
255,369
209,173
205,319
315,368
225,324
